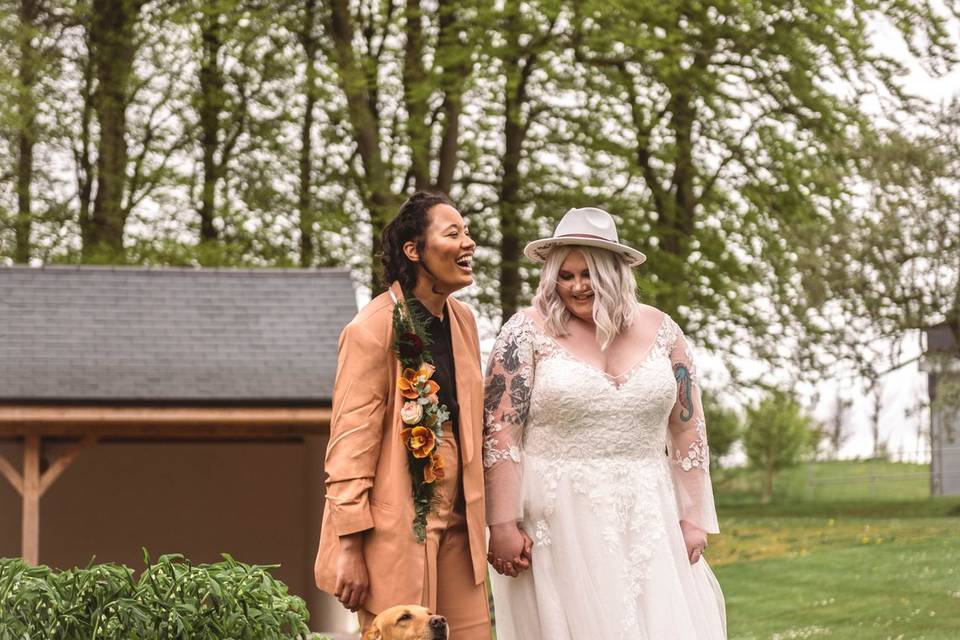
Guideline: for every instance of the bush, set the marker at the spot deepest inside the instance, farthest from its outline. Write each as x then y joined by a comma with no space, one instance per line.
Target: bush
778,434
172,600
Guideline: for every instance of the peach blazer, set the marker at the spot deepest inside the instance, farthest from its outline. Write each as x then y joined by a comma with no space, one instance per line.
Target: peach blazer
368,481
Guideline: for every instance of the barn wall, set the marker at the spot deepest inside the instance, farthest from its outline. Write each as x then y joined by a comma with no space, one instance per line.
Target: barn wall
253,500
945,457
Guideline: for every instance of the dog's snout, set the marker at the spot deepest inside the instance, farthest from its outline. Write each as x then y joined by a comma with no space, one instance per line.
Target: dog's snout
438,622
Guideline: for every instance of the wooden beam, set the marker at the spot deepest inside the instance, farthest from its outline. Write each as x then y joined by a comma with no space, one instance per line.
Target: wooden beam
11,474
30,532
163,422
64,461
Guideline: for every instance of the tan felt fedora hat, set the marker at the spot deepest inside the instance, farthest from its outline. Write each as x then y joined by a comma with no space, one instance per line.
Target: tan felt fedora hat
586,227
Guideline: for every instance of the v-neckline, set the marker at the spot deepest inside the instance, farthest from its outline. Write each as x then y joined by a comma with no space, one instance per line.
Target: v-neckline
612,379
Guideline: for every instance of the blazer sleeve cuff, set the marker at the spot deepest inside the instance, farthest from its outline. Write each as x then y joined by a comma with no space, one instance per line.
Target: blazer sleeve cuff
353,520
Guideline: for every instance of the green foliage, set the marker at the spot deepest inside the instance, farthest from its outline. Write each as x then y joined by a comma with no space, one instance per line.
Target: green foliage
724,428
891,262
735,142
731,145
778,434
172,600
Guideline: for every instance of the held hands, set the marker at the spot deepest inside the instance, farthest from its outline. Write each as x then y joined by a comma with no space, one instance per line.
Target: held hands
353,582
695,540
510,549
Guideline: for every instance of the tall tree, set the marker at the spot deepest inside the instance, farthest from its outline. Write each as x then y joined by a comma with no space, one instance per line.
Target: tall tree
26,138
113,47
529,32
876,392
734,124
211,98
404,137
305,200
33,34
838,427
244,138
890,268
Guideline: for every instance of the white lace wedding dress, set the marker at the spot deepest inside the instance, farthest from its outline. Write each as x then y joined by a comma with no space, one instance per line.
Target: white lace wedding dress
600,471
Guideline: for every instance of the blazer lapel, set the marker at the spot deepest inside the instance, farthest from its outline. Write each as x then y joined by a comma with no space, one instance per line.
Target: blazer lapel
466,381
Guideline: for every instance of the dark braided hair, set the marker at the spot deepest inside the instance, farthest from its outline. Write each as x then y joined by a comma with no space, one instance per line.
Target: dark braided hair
409,224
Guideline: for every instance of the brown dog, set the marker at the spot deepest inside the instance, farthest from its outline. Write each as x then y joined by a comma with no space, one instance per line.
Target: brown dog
407,622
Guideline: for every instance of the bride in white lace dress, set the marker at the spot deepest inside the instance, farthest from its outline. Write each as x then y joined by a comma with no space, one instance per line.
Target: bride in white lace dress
595,451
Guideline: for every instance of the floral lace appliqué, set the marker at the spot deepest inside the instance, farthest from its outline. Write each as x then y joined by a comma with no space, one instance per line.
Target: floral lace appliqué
542,534
698,454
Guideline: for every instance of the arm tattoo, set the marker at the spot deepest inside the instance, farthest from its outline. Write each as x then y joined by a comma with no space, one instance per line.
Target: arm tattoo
684,390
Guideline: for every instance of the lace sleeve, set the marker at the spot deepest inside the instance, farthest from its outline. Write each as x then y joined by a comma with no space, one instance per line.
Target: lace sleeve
506,403
687,444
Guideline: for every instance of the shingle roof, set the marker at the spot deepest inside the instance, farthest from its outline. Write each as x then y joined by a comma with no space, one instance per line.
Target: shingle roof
87,334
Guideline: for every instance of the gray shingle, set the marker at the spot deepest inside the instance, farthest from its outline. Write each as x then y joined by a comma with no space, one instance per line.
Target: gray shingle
168,334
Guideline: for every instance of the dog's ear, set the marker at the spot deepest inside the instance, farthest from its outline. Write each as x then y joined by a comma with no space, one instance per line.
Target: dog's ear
373,632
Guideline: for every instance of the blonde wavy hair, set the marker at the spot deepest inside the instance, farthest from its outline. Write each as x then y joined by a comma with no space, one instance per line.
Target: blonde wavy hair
615,293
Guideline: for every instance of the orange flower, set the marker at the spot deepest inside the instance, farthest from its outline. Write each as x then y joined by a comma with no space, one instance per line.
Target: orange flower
408,388
410,380
419,440
430,391
434,469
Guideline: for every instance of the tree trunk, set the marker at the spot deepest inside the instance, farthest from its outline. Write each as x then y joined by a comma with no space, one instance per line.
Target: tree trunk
877,393
211,106
767,490
676,221
26,134
456,69
515,133
360,93
305,195
381,210
112,39
416,91
85,169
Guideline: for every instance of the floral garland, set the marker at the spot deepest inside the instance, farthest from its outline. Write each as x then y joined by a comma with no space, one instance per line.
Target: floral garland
422,415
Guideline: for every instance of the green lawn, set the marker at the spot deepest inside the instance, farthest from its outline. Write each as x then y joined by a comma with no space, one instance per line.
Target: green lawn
830,480
857,569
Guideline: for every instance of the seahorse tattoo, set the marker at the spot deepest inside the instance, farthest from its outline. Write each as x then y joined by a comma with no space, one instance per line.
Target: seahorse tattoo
684,390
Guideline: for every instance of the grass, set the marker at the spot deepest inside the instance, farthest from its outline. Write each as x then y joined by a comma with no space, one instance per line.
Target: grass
835,568
901,590
830,480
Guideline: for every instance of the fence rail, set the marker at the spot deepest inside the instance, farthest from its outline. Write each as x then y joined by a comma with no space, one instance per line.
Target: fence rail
896,482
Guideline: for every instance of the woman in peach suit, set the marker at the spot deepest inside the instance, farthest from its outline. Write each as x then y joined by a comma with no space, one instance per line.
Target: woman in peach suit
375,550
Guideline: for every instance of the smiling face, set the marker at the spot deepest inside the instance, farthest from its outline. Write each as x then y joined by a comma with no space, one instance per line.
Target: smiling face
447,251
574,286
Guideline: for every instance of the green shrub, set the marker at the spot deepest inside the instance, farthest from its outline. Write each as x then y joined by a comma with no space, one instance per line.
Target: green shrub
172,600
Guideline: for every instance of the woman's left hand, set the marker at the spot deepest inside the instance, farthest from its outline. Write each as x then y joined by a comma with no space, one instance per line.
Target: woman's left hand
509,549
695,540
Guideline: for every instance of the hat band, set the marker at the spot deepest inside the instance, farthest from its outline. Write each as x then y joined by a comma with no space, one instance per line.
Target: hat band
582,235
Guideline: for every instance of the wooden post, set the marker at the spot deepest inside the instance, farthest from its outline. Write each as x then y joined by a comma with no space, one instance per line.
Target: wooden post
31,486
30,536
12,475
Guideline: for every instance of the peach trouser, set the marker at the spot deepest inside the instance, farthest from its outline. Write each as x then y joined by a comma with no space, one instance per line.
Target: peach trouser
448,588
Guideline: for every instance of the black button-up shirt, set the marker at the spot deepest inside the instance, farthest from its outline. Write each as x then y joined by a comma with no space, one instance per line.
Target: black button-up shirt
441,350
